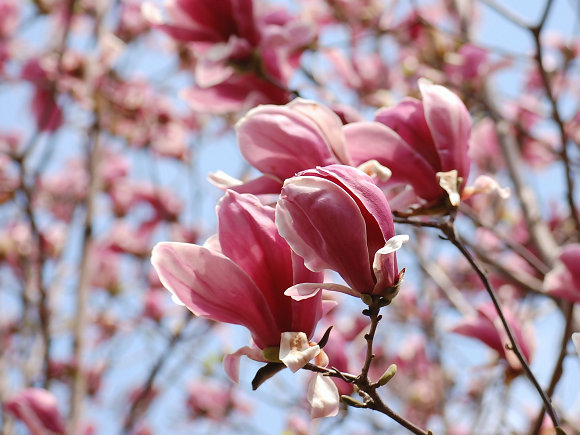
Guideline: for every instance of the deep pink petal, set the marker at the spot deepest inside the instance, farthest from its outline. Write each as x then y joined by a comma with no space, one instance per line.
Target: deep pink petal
249,237
450,126
372,140
324,225
213,286
407,119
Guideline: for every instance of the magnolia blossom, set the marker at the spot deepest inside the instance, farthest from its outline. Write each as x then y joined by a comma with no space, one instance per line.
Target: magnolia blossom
240,277
37,408
564,280
336,218
424,144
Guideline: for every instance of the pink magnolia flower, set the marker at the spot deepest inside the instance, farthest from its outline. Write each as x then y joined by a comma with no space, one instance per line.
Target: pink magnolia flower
424,143
564,280
244,56
337,218
47,113
240,276
280,141
210,399
37,408
487,327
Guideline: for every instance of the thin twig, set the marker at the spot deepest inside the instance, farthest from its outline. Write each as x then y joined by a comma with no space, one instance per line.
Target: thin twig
138,406
558,368
536,32
508,15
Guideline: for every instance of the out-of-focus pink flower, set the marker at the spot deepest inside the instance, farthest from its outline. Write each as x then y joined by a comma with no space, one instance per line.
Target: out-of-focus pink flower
37,408
336,218
487,327
131,21
47,113
240,276
470,65
280,141
424,143
9,17
244,55
564,280
365,73
210,399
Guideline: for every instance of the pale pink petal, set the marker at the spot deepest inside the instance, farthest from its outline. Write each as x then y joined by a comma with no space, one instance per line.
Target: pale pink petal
323,397
374,169
485,184
448,182
231,361
295,350
560,284
570,256
304,291
249,237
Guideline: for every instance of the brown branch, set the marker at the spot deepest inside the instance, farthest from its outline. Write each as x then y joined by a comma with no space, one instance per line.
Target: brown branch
558,368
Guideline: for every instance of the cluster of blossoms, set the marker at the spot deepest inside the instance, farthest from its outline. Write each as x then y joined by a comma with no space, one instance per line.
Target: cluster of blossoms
264,269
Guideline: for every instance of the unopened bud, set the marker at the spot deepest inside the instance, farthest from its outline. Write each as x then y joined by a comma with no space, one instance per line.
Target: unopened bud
352,402
388,375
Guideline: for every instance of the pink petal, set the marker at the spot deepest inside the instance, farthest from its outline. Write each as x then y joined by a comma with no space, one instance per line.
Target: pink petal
368,197
280,141
323,224
450,126
373,140
213,286
329,123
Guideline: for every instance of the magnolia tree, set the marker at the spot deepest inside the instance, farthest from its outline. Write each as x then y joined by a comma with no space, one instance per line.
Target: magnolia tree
379,194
